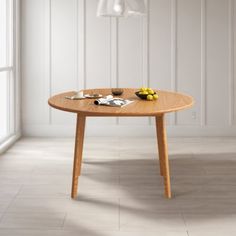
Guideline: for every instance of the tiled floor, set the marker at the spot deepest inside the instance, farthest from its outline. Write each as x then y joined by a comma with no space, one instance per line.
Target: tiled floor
120,190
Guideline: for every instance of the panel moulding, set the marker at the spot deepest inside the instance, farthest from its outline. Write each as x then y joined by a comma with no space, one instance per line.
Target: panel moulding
146,49
173,117
113,52
81,44
203,63
231,63
48,54
76,35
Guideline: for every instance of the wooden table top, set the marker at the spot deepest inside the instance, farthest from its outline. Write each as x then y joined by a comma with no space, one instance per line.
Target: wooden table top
167,102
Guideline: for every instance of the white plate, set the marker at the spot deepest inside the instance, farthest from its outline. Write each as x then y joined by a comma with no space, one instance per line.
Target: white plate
74,97
93,96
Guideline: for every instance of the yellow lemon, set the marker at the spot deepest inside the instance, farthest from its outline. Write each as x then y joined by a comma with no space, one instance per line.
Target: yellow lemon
155,96
149,97
143,89
150,91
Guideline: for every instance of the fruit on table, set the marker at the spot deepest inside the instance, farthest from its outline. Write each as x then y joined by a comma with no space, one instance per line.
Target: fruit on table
143,89
150,91
155,96
151,95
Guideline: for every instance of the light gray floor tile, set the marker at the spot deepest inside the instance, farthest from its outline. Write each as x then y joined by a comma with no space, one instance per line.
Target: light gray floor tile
214,157
98,180
209,222
206,192
213,232
143,193
206,205
44,190
20,232
80,206
4,204
221,169
37,179
138,205
130,154
32,220
120,189
53,168
100,166
11,177
154,233
16,166
89,232
91,192
8,191
139,167
140,180
148,221
87,222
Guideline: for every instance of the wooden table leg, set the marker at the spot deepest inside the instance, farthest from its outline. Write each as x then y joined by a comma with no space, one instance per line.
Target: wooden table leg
163,153
160,149
79,140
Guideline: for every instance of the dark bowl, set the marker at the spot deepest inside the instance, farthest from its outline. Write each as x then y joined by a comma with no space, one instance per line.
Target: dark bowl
117,91
142,96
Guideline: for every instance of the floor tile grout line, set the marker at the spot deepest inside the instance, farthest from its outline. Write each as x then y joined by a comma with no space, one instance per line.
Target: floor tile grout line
185,223
119,215
13,199
64,220
1,217
119,184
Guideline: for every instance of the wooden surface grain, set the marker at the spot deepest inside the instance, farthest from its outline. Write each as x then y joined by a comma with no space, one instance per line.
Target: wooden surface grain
79,141
163,154
167,102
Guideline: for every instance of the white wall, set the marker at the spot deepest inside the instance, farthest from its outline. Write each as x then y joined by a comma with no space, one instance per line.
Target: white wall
183,45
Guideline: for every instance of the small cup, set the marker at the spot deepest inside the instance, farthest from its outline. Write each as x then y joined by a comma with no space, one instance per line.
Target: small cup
117,91
80,94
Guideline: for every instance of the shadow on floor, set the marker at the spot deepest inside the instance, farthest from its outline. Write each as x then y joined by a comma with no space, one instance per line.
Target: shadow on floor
203,184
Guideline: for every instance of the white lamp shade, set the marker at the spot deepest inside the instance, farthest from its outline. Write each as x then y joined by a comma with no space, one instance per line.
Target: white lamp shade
119,8
135,7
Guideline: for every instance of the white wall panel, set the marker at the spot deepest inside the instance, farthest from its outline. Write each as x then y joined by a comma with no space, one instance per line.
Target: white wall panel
63,45
97,48
130,61
187,45
189,57
234,61
63,52
160,44
33,46
130,52
98,54
217,12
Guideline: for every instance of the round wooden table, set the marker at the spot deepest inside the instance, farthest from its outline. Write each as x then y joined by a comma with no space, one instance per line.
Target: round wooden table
167,102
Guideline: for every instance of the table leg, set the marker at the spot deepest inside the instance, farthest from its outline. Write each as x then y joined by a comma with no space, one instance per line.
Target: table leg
163,153
79,140
160,149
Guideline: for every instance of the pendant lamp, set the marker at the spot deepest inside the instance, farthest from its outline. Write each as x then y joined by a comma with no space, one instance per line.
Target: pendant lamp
121,8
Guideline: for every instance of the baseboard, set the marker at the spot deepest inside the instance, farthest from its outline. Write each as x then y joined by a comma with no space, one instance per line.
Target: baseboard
9,142
127,131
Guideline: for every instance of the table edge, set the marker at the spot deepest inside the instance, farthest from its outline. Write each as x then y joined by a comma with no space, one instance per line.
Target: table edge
112,114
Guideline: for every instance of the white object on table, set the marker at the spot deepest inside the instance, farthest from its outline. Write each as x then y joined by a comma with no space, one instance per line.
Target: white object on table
80,94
